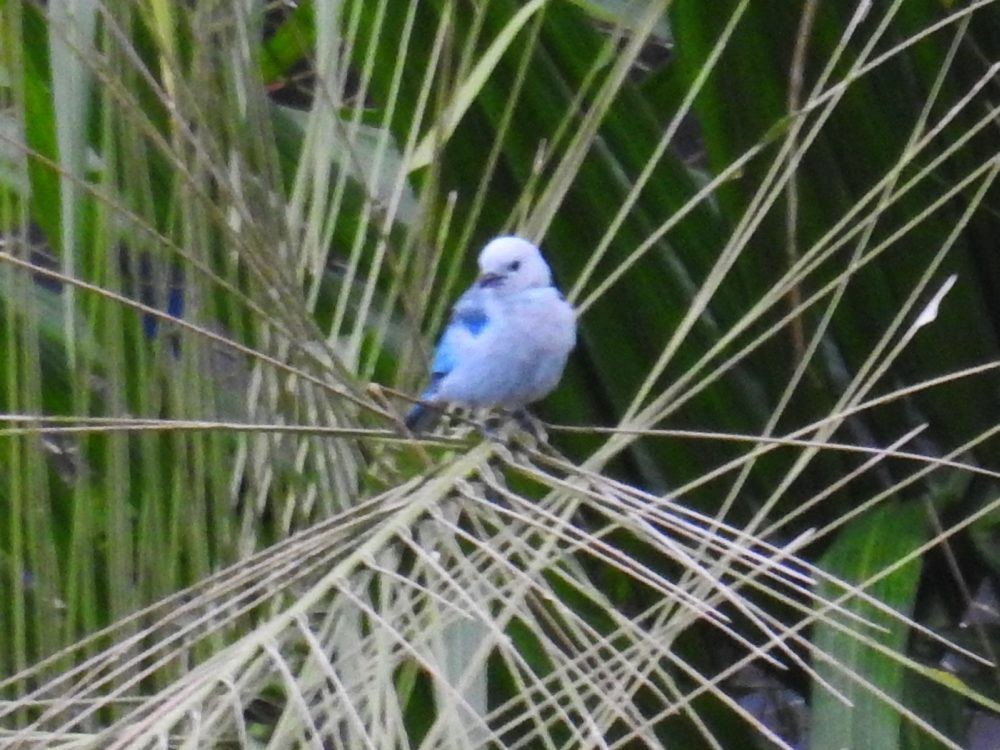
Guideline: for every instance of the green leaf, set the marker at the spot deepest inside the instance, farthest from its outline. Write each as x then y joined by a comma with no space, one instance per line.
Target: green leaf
40,126
860,672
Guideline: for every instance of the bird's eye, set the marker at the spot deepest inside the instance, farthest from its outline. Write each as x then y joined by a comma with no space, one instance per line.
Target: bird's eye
515,265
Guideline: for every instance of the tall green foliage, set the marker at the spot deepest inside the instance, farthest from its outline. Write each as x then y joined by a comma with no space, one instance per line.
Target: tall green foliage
765,507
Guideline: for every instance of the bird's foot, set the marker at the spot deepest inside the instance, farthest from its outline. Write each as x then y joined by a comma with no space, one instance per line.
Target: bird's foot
531,425
516,428
492,424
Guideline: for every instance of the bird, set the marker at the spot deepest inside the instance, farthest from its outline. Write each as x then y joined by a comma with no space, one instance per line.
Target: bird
508,338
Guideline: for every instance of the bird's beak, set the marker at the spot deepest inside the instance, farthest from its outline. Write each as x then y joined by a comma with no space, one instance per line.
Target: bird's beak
487,280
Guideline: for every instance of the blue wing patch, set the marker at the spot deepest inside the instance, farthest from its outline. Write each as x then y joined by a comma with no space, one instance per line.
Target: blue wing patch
467,319
444,360
472,319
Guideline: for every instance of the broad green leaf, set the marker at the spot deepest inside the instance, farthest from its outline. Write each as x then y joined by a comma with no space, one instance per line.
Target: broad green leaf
859,706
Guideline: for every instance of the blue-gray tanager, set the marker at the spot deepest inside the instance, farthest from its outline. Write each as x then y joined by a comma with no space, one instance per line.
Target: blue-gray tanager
508,338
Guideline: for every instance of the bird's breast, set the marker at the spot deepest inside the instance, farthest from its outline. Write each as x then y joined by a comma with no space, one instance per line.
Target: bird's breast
541,321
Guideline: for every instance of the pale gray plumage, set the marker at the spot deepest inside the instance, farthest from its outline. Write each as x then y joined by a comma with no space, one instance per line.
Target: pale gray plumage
508,338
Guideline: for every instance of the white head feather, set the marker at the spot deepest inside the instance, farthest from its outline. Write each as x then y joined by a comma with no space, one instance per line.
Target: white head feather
512,264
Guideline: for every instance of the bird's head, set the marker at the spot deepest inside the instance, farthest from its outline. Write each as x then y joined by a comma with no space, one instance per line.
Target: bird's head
512,264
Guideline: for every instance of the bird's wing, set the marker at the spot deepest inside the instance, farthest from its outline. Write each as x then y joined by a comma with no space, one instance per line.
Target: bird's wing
469,318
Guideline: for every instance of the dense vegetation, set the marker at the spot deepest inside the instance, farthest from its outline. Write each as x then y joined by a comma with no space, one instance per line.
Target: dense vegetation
767,508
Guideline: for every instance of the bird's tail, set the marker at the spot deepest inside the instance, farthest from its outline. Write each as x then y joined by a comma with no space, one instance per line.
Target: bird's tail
422,418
